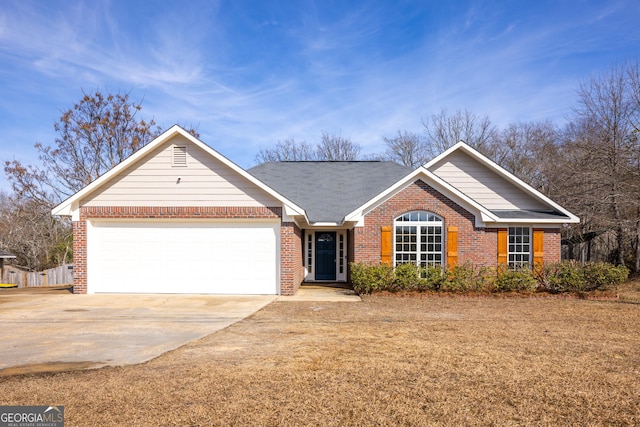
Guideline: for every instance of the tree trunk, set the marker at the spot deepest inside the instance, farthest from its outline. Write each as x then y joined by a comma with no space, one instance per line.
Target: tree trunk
636,252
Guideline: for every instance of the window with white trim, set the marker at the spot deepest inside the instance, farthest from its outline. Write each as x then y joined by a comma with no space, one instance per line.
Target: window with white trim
519,247
418,239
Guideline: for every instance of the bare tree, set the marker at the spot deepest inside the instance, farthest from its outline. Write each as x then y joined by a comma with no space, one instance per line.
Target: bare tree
287,150
336,148
443,131
330,148
407,148
96,134
528,150
603,147
28,230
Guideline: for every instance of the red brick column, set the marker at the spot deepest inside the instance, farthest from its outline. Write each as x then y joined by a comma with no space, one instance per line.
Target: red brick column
291,262
80,257
552,246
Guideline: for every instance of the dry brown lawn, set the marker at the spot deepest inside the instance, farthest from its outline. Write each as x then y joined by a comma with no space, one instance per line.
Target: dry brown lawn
386,361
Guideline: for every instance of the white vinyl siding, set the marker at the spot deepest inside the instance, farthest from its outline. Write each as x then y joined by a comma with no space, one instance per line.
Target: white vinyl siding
483,184
203,181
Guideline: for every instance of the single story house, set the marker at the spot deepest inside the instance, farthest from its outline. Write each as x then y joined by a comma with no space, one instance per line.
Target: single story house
178,217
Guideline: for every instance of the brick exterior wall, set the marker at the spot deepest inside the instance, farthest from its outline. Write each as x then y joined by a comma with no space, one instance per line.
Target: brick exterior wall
552,246
292,263
475,245
291,274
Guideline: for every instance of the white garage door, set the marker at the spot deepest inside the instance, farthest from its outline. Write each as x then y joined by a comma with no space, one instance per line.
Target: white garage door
183,257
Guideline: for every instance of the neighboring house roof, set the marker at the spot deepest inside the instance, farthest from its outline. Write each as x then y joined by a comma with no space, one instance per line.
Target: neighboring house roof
328,191
4,254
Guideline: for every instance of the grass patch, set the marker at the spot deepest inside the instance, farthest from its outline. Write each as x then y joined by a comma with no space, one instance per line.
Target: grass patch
629,291
386,361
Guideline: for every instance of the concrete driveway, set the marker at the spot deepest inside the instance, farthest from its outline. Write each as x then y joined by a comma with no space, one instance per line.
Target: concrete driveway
56,328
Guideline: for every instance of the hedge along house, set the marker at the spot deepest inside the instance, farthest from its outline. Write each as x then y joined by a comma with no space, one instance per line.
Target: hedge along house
178,217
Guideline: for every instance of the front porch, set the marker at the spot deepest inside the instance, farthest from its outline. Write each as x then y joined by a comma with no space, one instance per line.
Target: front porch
326,256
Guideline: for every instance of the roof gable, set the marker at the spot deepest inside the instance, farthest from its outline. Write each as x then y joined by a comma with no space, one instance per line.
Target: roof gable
499,191
535,207
112,184
323,193
484,184
421,173
179,173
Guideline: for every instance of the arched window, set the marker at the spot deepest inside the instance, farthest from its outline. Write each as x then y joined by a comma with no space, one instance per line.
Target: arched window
418,239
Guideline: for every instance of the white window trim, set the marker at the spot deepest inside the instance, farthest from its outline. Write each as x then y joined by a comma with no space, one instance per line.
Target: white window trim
529,243
418,224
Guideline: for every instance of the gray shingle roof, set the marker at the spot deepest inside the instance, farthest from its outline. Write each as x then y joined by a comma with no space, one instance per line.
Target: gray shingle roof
328,191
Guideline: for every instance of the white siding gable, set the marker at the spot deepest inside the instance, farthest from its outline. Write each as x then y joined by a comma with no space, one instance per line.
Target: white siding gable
482,184
156,180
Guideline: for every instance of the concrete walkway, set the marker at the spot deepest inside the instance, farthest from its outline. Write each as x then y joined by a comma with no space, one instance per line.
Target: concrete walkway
322,293
109,329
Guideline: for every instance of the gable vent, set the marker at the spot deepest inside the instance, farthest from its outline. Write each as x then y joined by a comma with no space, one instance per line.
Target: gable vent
179,157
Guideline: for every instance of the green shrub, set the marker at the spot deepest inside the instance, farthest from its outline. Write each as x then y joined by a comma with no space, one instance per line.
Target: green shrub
566,276
434,277
367,278
570,276
407,278
466,278
600,275
520,279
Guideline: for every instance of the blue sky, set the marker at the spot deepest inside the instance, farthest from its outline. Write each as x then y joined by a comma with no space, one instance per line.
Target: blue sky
248,73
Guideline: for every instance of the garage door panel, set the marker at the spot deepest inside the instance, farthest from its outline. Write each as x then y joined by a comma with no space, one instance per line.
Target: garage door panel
183,257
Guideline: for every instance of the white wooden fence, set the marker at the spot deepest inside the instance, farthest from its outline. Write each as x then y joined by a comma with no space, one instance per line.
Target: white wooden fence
62,275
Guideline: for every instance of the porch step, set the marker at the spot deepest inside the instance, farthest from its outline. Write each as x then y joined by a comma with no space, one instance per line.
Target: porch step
340,285
322,293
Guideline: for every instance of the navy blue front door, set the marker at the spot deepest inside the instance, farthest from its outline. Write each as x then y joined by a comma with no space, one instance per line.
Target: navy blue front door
326,255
